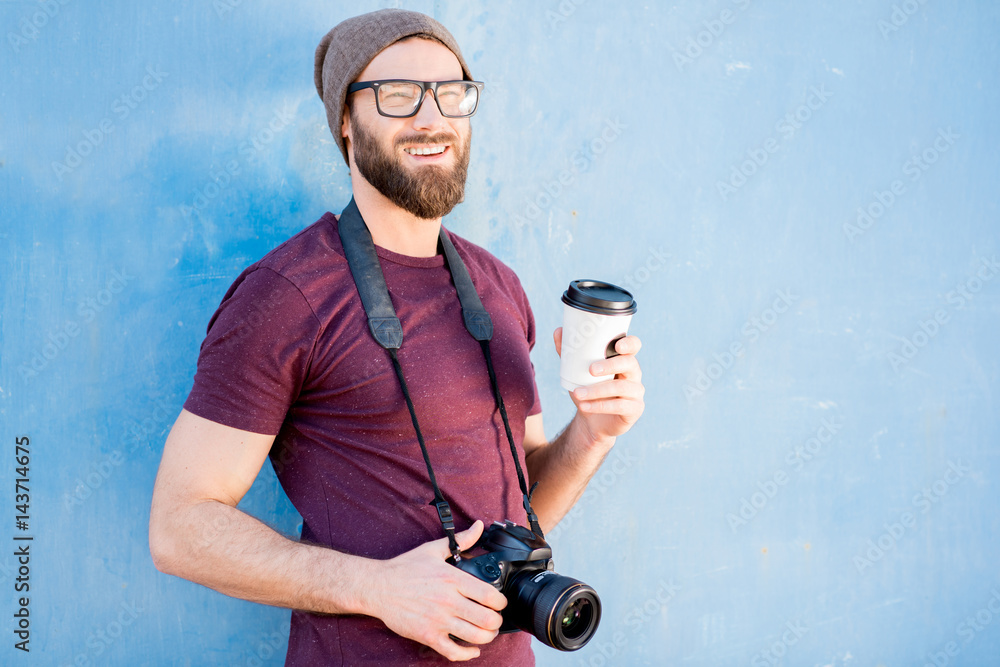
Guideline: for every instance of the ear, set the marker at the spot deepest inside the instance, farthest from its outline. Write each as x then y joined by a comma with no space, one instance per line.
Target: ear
345,124
345,133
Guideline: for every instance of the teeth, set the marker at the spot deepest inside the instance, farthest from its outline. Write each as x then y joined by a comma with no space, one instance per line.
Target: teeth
425,151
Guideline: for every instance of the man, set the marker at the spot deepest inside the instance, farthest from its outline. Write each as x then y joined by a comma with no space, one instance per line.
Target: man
289,369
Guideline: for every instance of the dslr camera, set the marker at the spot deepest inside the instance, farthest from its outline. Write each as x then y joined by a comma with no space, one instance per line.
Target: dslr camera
561,612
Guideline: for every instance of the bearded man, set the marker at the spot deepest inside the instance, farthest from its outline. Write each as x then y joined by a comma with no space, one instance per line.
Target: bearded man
290,369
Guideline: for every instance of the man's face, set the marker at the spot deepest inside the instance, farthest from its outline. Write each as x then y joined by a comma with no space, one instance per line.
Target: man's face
383,149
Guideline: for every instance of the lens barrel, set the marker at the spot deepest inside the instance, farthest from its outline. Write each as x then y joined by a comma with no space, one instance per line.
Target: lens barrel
560,611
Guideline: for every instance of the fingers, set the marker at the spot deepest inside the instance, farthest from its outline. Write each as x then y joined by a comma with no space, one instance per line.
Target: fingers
466,540
468,537
483,618
449,648
479,593
624,366
476,590
628,345
422,597
621,396
457,617
628,410
613,397
484,595
624,389
472,633
470,622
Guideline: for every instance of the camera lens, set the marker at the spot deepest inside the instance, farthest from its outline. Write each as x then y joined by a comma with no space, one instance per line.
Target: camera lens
576,618
560,611
569,614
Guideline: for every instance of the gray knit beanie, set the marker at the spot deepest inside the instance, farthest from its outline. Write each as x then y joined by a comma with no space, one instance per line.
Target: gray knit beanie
347,49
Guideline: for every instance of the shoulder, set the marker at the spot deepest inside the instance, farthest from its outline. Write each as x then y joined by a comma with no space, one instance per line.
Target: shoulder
308,262
315,248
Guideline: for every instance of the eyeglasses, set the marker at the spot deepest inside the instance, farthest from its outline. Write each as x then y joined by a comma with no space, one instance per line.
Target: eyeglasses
399,98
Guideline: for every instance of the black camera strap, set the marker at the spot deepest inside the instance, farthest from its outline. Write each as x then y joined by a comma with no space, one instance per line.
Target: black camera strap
387,330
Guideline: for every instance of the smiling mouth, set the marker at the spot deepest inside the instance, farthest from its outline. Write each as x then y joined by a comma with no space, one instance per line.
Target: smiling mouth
426,150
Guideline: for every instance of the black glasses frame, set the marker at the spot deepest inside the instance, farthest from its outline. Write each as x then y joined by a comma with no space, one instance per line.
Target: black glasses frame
424,87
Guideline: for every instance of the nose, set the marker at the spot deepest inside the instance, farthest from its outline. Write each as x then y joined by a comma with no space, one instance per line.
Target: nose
428,115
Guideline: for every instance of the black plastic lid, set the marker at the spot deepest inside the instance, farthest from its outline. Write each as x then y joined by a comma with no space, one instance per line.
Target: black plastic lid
599,297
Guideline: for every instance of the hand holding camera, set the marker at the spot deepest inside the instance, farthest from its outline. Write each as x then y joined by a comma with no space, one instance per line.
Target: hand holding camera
559,611
420,596
423,597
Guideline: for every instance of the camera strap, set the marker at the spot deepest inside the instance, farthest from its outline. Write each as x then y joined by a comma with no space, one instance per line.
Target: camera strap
387,330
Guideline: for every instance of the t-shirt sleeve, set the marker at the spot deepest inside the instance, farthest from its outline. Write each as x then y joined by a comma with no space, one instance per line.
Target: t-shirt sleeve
529,320
256,354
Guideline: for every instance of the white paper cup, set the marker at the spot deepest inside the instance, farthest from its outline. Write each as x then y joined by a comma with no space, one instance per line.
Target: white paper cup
595,316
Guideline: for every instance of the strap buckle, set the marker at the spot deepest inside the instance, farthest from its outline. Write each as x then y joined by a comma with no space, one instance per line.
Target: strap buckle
444,514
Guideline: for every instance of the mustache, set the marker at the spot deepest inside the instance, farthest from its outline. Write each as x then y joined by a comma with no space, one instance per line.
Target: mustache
438,138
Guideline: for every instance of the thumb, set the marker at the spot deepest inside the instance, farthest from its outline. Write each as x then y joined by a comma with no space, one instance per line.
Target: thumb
557,337
468,537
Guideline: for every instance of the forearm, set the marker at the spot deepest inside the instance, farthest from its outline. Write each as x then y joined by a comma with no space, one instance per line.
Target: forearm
221,547
417,594
562,469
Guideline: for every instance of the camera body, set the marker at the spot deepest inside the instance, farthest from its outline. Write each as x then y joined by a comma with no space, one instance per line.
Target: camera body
561,612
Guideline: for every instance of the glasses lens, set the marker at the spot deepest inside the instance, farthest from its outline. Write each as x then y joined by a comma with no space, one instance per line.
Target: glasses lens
398,98
458,99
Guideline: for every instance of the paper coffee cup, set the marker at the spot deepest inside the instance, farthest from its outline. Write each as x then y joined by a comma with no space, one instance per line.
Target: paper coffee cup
595,316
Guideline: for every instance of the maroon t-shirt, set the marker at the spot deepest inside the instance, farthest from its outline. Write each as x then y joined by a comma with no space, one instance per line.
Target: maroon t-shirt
289,353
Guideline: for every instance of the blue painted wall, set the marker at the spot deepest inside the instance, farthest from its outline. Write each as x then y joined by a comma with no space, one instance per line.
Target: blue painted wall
803,197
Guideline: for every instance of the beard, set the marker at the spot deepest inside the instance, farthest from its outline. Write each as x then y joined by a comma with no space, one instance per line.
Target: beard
429,192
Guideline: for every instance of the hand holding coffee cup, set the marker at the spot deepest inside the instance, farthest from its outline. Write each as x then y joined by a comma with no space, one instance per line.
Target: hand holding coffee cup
596,315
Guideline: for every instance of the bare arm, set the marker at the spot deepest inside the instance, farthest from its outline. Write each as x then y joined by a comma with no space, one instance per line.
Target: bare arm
605,410
196,532
561,469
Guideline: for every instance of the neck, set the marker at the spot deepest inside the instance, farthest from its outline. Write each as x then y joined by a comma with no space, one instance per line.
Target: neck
392,227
